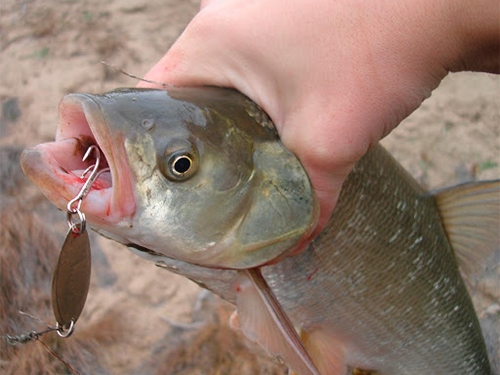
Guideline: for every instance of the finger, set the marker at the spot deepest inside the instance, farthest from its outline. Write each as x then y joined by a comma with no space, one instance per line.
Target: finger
200,56
205,3
326,178
328,153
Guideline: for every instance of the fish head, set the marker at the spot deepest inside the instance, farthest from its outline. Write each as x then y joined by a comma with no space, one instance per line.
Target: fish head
195,174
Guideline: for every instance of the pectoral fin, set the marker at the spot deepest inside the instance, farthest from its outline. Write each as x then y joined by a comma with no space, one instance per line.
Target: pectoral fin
471,217
262,319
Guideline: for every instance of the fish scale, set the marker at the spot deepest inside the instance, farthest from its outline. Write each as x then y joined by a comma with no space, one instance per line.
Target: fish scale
440,331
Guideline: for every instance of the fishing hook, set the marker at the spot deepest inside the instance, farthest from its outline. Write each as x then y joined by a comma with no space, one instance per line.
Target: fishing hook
94,174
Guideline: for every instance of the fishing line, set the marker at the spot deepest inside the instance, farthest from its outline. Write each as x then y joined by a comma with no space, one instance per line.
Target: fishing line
68,366
24,338
116,69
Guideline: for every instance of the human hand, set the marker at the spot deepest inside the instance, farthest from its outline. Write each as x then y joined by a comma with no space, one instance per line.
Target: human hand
335,76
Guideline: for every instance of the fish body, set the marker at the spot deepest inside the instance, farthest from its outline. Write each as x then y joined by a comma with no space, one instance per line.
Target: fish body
411,314
201,185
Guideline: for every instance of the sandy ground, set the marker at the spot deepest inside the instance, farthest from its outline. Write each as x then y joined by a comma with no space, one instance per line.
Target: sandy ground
143,319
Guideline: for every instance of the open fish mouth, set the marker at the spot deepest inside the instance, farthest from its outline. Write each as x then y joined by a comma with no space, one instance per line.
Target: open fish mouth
58,169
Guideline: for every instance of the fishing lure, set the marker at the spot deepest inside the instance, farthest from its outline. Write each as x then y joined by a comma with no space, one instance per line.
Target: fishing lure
71,278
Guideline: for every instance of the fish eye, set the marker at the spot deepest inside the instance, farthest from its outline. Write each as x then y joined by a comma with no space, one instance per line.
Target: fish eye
179,160
181,165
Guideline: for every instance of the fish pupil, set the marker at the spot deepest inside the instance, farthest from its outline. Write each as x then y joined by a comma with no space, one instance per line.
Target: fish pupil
182,164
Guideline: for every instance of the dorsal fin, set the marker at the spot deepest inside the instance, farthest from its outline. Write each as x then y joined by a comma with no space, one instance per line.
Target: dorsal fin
471,217
262,319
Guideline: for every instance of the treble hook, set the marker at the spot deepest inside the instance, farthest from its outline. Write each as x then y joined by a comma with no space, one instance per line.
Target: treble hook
94,174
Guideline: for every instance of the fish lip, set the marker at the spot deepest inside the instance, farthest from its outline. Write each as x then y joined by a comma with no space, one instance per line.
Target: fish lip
81,119
92,119
56,167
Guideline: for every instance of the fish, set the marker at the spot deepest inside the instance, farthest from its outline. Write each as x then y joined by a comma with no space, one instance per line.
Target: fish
200,184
